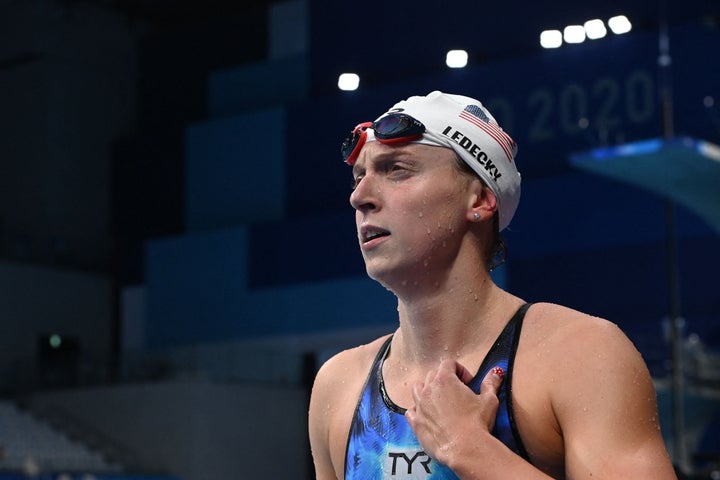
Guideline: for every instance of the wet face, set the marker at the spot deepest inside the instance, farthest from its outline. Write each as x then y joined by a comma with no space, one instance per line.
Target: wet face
411,206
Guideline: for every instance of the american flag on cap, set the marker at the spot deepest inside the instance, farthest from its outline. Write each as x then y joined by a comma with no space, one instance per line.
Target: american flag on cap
477,116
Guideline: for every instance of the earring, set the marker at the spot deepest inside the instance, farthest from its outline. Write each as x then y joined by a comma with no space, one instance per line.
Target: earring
477,216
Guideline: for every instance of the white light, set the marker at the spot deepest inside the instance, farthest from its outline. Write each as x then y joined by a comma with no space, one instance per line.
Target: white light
595,29
620,24
348,82
574,34
456,58
551,39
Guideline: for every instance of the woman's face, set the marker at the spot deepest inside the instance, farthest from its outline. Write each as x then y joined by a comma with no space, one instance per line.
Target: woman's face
411,206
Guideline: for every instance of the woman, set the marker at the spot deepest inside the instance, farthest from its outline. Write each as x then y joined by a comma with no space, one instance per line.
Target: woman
475,383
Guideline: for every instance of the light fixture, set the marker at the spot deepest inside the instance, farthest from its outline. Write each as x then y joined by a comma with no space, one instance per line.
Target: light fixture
574,34
456,58
348,81
595,29
551,39
619,24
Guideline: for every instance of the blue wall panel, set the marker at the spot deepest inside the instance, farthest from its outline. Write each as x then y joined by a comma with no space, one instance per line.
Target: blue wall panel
195,286
579,211
245,88
197,291
235,170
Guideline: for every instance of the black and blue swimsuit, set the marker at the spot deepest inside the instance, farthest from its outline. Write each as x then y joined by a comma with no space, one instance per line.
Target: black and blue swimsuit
382,445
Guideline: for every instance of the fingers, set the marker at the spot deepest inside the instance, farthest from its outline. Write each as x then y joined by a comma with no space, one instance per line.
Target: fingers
492,381
451,369
447,372
463,373
443,403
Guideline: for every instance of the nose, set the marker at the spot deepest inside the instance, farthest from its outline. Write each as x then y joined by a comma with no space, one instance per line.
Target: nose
363,197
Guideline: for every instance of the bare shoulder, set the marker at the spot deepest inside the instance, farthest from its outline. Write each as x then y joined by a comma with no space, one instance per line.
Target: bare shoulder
335,394
592,367
584,361
560,326
346,367
600,393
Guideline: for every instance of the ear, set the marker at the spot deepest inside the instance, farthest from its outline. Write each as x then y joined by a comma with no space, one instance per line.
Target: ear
482,203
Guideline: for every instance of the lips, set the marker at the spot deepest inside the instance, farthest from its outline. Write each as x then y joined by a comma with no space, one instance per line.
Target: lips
369,233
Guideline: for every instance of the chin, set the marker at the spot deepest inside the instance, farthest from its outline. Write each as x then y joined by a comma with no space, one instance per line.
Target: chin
389,277
379,274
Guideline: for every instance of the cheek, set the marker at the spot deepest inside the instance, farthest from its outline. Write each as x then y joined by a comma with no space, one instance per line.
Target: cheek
448,213
433,227
428,204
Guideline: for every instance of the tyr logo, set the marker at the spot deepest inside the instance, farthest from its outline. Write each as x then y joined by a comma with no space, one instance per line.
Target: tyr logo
400,459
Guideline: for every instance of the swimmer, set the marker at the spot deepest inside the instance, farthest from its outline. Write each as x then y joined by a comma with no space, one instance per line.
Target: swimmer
475,382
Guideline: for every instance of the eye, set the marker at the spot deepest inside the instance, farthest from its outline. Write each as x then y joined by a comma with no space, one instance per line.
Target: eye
356,181
396,168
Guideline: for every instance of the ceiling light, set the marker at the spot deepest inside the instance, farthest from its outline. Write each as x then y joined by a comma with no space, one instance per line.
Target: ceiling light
551,38
574,34
620,24
595,29
456,58
348,81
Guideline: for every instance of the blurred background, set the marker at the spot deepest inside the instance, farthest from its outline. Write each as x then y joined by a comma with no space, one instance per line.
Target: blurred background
177,250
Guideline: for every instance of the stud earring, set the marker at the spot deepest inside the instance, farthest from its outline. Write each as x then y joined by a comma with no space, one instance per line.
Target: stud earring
477,216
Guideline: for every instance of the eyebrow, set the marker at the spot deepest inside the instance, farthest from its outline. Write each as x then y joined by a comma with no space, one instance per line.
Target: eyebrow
400,152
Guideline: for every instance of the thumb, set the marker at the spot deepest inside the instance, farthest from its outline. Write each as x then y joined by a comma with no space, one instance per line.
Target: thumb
492,381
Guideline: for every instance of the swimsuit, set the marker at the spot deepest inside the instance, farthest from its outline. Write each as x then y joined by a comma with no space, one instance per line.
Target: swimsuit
381,443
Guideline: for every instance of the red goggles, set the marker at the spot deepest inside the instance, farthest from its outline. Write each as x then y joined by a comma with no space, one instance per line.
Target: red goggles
391,129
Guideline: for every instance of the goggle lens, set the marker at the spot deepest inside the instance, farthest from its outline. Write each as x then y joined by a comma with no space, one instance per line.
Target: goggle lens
354,142
398,128
391,129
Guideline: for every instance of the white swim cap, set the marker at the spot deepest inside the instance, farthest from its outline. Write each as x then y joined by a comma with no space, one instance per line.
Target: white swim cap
463,124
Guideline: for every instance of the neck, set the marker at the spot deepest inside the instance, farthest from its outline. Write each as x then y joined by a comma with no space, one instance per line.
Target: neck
451,320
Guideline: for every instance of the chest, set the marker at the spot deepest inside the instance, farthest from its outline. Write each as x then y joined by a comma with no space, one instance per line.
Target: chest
532,409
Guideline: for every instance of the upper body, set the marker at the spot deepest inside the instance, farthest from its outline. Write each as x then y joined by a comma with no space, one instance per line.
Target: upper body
382,442
583,400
